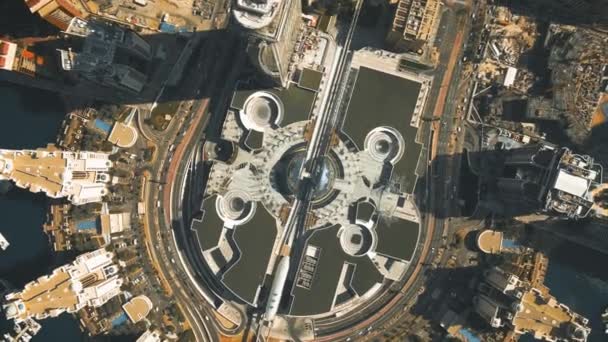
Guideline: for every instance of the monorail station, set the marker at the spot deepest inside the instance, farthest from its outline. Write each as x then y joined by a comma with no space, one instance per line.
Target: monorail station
363,226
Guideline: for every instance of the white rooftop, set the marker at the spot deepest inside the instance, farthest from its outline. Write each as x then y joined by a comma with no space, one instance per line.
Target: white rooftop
256,14
571,184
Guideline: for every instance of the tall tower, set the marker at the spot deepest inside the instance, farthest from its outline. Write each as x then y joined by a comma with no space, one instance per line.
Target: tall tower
273,27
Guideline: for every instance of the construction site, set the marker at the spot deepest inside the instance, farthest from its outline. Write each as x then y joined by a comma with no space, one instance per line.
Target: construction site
167,16
534,71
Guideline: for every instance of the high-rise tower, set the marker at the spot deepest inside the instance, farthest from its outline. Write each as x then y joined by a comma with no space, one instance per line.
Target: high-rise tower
273,27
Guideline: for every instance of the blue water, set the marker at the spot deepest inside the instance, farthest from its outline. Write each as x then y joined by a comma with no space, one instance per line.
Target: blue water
102,125
120,320
30,119
510,244
469,335
86,225
24,126
167,28
584,294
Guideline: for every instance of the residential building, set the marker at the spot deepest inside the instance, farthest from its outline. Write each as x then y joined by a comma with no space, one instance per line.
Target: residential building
81,177
413,25
57,12
506,300
91,280
99,59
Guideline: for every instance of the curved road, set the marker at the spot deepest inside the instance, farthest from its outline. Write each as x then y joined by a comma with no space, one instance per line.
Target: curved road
168,172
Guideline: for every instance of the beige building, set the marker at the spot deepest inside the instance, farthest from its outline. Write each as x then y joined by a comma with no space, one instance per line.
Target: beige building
527,309
57,12
123,135
91,280
81,177
113,224
21,59
413,25
138,308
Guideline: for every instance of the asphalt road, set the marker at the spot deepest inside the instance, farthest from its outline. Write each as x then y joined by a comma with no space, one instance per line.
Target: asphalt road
184,192
379,314
172,195
170,169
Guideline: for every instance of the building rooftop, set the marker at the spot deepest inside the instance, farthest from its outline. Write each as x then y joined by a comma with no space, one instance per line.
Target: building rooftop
254,241
546,319
396,99
490,241
90,280
557,180
8,52
81,177
574,178
96,61
115,223
123,135
527,309
150,336
255,15
138,308
254,180
414,24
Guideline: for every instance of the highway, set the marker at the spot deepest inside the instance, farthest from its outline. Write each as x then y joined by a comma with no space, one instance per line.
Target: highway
170,169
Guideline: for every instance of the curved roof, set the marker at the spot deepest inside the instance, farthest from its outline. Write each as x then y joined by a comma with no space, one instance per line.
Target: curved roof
489,241
138,308
255,15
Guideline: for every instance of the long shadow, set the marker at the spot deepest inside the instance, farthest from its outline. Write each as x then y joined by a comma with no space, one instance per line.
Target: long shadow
198,53
455,292
511,180
596,143
199,66
592,13
475,183
16,20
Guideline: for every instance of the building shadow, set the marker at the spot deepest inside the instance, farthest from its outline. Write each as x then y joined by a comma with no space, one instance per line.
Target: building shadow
591,12
437,298
16,20
178,68
473,184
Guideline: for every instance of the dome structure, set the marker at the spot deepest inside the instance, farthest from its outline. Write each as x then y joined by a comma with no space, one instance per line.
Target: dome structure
325,177
385,144
356,240
261,111
287,173
235,207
